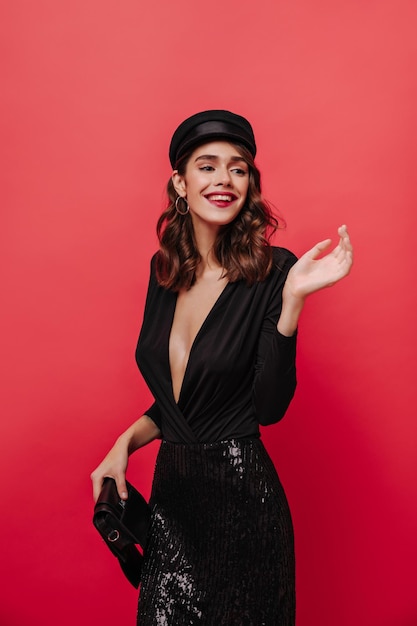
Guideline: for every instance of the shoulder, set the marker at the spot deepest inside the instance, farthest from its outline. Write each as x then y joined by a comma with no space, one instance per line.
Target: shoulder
154,259
152,273
282,260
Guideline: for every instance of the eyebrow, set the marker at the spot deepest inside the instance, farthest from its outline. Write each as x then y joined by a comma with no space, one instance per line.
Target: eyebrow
214,157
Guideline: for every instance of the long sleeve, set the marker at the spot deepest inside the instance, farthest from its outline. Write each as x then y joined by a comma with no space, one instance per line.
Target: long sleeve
275,371
275,380
154,412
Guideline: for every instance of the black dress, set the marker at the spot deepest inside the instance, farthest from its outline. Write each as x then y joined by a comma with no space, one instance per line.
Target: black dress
220,548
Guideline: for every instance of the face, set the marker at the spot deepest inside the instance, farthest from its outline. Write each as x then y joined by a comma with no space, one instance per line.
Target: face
215,183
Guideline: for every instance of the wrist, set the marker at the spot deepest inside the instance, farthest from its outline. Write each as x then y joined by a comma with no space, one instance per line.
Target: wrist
291,297
290,314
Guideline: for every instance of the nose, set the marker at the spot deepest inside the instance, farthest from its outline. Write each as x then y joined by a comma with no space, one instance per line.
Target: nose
223,177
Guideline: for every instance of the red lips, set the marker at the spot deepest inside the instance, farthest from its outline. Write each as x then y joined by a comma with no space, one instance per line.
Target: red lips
224,198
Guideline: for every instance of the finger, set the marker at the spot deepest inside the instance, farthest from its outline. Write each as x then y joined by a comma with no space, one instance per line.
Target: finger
348,261
344,244
121,486
97,486
344,237
345,261
320,247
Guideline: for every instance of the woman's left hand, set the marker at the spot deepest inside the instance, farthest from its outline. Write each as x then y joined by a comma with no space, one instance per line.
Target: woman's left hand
313,272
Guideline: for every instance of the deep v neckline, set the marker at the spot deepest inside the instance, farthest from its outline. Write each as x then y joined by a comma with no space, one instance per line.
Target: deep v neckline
193,343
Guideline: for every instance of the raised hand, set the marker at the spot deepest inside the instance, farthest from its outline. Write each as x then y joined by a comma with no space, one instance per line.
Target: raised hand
313,272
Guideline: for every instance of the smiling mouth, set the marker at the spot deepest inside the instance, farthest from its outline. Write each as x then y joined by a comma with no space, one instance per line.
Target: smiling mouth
221,197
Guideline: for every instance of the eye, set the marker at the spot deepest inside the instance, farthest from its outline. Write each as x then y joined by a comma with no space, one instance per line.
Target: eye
206,168
239,171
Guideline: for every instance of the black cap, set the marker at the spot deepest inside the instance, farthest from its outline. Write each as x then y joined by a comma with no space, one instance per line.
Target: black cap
207,126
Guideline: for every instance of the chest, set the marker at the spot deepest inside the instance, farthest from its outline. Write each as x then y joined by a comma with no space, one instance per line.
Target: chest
191,310
206,332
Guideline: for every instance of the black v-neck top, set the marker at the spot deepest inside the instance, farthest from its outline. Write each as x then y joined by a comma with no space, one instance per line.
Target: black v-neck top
240,371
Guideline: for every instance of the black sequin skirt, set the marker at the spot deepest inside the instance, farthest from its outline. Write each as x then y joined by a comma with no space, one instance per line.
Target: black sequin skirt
220,549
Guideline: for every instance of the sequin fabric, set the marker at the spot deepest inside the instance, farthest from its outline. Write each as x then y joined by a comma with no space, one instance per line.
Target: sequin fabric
220,549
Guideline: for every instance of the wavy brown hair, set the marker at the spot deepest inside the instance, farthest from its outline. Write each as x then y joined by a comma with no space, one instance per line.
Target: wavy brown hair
242,247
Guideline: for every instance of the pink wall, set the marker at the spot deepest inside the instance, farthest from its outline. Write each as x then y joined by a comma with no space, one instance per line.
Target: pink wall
91,92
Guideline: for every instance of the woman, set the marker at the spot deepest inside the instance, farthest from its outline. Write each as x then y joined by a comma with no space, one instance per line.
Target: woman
217,350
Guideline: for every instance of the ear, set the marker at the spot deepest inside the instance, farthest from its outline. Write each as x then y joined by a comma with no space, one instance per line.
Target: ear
179,184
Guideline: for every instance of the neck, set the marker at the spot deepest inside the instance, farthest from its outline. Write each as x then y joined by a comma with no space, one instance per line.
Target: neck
205,237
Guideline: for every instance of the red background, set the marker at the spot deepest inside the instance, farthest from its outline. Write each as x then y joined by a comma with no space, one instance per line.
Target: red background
92,91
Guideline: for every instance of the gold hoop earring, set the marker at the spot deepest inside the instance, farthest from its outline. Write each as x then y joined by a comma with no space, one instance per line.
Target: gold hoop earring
187,208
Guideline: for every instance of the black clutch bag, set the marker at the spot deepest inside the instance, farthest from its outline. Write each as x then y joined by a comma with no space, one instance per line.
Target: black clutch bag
122,524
